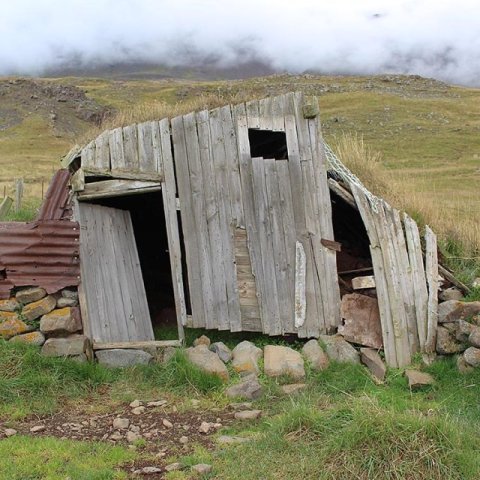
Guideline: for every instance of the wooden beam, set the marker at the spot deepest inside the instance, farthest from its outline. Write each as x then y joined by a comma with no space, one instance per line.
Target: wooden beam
117,188
357,270
449,276
137,345
78,181
331,244
343,193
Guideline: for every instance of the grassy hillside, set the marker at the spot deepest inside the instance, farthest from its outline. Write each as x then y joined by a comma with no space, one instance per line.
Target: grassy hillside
427,132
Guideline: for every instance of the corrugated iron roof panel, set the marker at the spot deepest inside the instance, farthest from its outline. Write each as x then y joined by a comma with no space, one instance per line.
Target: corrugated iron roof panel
57,205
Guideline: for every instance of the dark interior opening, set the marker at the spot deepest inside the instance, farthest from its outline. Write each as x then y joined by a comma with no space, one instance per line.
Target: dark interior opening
267,144
148,219
354,259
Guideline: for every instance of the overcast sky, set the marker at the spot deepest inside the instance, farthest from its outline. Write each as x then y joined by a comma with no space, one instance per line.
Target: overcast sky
437,38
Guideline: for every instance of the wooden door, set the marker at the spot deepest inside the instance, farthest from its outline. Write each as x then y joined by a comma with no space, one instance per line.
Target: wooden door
116,303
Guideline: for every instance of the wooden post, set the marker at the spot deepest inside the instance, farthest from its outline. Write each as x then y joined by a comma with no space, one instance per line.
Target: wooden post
5,207
18,194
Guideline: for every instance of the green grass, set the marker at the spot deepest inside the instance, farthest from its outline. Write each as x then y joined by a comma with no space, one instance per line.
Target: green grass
27,213
26,458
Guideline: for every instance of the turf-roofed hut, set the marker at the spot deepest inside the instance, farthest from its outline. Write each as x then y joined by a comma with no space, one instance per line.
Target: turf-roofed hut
241,218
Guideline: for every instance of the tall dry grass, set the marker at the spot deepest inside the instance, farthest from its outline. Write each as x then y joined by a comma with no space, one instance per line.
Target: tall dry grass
403,193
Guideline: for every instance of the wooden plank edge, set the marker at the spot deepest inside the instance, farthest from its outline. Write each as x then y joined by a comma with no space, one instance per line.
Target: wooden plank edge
136,345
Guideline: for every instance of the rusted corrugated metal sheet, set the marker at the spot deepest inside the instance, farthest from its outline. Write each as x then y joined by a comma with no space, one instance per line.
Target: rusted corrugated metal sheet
43,254
57,205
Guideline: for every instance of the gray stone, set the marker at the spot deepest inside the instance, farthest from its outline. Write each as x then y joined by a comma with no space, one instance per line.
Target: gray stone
462,366
452,293
120,358
374,362
315,355
61,321
248,414
32,338
292,388
339,350
207,361
418,379
138,410
223,352
136,403
474,337
35,310
150,470
472,356
361,320
446,343
10,432
245,358
71,294
30,295
231,440
11,325
9,305
37,428
249,389
280,360
172,467
463,330
66,347
63,302
132,436
203,340
82,358
121,423
453,310
202,468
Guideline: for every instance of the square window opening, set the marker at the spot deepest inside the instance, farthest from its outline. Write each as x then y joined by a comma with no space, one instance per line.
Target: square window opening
268,144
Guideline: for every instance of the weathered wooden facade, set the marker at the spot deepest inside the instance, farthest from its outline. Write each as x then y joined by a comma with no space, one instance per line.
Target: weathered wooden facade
254,247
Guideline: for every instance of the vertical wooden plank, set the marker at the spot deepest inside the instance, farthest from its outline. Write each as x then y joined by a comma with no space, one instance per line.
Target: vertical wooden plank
278,112
146,157
197,186
87,157
188,222
163,149
249,209
253,116
130,148
265,118
300,281
227,225
212,212
102,151
431,268
157,139
115,143
418,277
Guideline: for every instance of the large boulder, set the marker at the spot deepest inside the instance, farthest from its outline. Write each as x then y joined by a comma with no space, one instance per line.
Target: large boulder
339,350
35,310
245,358
453,310
280,360
248,388
315,355
66,347
121,358
9,305
207,361
472,356
11,325
447,343
61,321
223,352
372,360
30,295
463,330
32,338
474,337
451,293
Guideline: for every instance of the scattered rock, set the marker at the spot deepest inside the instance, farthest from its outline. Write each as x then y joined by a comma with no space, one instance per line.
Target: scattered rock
463,366
205,427
66,347
280,360
207,361
133,436
61,321
241,405
203,340
148,470
374,362
223,352
70,294
339,350
231,440
35,310
245,358
9,305
158,403
32,338
37,428
452,293
11,325
183,440
361,320
135,404
63,302
447,343
463,330
121,358
121,423
248,414
292,388
202,468
30,295
474,337
138,410
453,310
315,355
249,389
173,467
116,436
167,423
472,356
418,379
10,432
